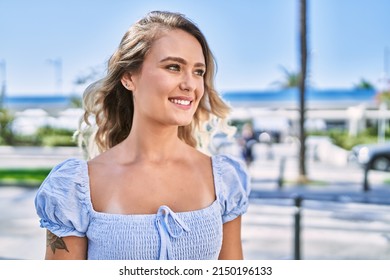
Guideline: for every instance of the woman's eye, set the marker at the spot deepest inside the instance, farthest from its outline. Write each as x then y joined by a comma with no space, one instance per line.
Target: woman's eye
200,72
173,67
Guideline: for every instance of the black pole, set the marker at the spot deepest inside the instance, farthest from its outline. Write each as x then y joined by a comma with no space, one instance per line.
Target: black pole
303,46
366,186
297,227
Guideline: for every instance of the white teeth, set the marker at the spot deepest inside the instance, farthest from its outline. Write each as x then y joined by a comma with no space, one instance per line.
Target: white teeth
181,102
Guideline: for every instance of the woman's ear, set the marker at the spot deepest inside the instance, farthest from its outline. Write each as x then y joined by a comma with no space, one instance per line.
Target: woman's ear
127,81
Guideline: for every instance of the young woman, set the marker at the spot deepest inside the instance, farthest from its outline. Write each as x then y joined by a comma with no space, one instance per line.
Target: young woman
150,193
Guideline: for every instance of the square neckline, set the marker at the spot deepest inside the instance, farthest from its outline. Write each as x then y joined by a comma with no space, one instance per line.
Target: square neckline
150,215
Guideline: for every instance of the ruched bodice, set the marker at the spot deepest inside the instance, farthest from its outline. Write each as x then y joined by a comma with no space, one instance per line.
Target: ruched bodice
63,203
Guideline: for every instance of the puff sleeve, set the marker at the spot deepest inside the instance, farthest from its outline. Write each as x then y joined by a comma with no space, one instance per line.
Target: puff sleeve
232,183
61,200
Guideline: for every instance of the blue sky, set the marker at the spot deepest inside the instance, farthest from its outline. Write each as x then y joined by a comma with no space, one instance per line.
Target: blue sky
251,39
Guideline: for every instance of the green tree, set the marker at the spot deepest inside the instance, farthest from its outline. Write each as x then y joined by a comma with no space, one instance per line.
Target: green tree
290,79
7,137
384,97
364,84
76,102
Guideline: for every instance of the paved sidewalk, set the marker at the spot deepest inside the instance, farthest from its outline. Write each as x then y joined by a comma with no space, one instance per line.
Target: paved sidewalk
20,234
35,157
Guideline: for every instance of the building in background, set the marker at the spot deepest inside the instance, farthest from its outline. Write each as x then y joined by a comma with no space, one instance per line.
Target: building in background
278,110
275,111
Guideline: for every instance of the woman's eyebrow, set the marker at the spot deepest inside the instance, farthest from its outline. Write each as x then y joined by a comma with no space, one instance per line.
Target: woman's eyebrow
182,61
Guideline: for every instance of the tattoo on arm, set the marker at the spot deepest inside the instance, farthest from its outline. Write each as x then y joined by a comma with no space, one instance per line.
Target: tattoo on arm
55,242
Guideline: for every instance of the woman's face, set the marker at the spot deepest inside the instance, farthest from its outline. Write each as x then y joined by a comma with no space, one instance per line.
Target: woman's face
170,84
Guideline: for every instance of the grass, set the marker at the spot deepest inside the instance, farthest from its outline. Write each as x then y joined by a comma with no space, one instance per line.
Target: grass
313,183
23,177
386,181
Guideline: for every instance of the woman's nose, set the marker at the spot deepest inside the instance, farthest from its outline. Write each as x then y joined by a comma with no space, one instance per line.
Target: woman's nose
188,83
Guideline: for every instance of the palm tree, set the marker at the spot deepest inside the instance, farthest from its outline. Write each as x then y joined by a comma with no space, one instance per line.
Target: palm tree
290,79
302,88
364,84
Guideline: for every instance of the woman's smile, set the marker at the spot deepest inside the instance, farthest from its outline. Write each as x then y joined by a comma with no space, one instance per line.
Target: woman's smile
181,102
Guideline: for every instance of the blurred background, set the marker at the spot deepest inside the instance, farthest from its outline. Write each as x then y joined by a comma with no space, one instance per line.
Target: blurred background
309,86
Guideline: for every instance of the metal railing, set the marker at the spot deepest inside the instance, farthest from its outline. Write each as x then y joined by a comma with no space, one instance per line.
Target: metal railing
297,200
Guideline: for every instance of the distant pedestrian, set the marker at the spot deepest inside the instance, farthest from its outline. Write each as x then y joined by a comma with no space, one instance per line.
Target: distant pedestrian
248,139
149,193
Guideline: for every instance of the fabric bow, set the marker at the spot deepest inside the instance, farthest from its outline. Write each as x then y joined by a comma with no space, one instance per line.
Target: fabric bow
167,230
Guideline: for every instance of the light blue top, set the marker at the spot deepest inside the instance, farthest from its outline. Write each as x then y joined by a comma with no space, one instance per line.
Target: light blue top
63,203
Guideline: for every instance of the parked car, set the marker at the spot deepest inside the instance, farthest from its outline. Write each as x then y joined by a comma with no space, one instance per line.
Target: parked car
372,156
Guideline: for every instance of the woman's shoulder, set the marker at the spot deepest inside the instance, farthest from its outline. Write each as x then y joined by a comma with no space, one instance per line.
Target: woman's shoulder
70,168
68,173
70,162
226,162
62,199
229,169
232,185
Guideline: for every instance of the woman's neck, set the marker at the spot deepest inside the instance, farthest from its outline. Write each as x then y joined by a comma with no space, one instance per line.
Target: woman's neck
152,144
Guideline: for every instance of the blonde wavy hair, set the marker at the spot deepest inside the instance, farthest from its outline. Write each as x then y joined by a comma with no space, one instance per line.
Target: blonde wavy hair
109,106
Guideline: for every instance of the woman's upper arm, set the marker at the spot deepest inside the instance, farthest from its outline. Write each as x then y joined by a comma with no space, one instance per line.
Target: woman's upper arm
231,242
65,248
